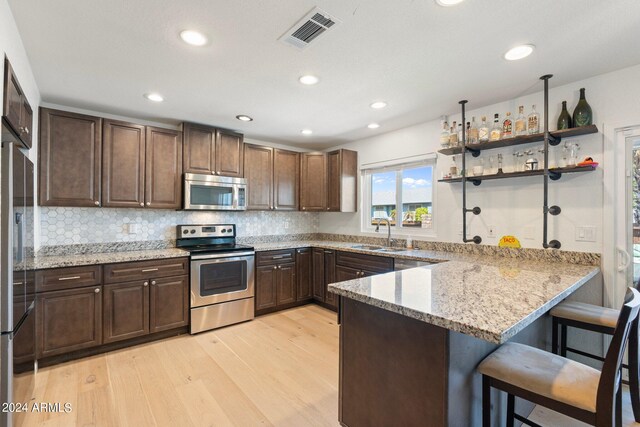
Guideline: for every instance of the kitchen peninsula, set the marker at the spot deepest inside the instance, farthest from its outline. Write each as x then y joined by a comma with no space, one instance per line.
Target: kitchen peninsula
410,340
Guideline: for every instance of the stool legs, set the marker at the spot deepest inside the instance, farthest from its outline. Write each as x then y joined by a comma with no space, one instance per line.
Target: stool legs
554,335
563,340
486,402
511,403
634,386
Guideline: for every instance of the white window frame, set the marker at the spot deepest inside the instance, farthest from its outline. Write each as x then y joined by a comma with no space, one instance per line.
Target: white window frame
398,166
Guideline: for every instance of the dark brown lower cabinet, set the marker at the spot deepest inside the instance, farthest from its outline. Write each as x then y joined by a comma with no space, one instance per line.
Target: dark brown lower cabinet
286,283
275,287
346,273
266,290
318,274
330,277
68,320
304,273
169,303
125,311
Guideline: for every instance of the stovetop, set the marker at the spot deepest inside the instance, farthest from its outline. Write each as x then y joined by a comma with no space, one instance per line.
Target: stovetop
208,238
204,248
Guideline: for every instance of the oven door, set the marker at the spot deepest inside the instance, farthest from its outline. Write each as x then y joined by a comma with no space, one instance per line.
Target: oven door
218,278
214,195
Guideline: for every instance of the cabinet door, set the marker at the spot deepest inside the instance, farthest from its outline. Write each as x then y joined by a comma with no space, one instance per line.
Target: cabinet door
342,181
163,169
68,320
330,276
229,154
333,181
286,173
286,284
258,168
266,289
123,164
125,309
318,274
70,159
12,97
346,273
169,303
26,123
199,149
313,182
304,273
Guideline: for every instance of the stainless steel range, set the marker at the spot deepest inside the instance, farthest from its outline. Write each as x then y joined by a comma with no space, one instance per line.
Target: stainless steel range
222,275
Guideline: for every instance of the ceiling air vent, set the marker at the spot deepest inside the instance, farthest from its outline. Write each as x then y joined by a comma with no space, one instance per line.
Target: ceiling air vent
309,28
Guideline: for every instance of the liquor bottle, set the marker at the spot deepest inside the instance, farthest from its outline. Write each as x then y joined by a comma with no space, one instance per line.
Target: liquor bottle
483,130
473,132
564,121
521,122
582,115
453,135
460,133
496,130
444,135
533,125
507,126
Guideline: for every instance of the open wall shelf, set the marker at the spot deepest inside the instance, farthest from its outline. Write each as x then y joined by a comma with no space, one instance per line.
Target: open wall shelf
555,137
554,174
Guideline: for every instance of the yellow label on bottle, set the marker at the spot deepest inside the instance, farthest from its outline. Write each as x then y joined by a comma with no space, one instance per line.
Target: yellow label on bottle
509,242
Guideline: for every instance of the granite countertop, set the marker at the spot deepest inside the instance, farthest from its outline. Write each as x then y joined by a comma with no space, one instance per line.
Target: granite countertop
490,301
56,261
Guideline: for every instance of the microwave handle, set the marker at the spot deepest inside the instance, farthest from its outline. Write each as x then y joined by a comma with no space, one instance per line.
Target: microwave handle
236,192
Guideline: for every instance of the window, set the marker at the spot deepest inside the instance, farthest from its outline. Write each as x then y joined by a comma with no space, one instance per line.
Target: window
403,193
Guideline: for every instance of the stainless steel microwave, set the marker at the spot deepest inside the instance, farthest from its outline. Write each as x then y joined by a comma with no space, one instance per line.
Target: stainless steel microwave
214,193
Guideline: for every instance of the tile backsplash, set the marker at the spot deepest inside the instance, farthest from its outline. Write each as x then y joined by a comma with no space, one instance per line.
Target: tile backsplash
67,226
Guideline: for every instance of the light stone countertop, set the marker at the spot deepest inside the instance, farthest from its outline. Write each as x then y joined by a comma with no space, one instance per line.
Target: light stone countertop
56,261
492,302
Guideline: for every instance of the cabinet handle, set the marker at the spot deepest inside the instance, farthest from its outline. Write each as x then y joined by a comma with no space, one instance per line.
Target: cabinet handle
279,267
303,208
146,270
145,284
68,278
96,290
274,267
148,203
275,207
328,252
18,283
213,172
153,282
97,203
218,173
141,204
328,208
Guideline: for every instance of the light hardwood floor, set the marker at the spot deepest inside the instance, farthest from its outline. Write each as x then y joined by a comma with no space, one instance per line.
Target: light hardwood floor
277,370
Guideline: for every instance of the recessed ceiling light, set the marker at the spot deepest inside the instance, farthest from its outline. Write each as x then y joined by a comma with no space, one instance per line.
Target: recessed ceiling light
519,52
306,131
378,105
309,80
155,97
244,118
447,3
193,38
373,125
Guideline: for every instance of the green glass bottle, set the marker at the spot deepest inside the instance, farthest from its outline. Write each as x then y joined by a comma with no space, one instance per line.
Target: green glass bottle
582,115
564,121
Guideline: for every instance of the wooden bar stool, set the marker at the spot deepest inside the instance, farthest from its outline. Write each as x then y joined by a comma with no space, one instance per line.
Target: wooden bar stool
596,319
558,383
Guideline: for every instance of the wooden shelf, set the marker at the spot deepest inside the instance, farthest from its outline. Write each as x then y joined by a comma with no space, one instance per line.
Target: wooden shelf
526,139
554,174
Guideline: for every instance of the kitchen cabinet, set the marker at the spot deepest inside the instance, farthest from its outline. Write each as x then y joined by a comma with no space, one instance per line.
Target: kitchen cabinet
276,285
70,159
123,161
266,288
169,303
317,274
313,182
272,178
323,273
330,277
342,187
17,111
212,151
286,283
126,311
366,265
68,320
347,273
163,168
304,274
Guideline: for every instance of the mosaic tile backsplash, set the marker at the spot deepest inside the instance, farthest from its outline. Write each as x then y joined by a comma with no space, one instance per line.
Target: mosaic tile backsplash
67,226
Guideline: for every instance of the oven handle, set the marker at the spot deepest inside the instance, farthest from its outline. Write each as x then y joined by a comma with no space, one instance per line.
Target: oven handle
227,255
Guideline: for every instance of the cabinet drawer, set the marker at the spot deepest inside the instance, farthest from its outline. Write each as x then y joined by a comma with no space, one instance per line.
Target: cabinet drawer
138,270
371,263
275,257
57,279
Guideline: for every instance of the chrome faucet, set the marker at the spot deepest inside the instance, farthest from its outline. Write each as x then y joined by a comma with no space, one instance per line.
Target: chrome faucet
388,229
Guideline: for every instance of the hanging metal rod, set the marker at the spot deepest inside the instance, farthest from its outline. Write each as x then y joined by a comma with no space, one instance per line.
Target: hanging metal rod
476,210
548,140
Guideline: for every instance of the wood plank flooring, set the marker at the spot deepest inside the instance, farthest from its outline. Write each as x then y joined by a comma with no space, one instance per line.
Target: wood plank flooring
277,370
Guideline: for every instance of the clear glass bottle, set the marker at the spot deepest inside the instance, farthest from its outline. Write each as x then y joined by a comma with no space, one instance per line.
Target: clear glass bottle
507,126
496,130
444,135
453,135
521,122
460,133
473,132
533,125
483,130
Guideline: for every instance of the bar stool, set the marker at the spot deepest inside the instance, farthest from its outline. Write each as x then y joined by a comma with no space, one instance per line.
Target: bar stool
596,319
558,383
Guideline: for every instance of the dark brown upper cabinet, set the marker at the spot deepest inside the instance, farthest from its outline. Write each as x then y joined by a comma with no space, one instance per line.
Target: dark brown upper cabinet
272,178
313,181
342,181
163,169
70,159
123,161
212,151
17,111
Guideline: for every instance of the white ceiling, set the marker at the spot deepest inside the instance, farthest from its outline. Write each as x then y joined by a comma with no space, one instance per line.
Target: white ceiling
419,57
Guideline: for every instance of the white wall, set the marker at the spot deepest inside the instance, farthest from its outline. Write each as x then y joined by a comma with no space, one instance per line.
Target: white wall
11,46
514,205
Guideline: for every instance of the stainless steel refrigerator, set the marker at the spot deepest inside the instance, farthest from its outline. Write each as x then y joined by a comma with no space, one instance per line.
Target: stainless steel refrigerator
17,284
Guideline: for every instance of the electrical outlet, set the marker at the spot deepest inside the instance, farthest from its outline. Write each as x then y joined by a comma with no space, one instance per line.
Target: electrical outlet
586,234
491,231
133,228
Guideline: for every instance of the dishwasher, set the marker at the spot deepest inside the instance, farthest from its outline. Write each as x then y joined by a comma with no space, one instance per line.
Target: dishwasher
403,264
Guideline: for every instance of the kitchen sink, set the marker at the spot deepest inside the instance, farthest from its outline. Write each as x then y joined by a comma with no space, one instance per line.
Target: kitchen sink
367,247
390,250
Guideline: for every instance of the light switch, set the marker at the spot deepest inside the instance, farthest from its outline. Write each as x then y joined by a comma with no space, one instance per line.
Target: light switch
133,228
586,234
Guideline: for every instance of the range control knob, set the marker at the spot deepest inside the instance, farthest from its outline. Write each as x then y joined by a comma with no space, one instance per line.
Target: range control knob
229,230
224,230
193,231
185,231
